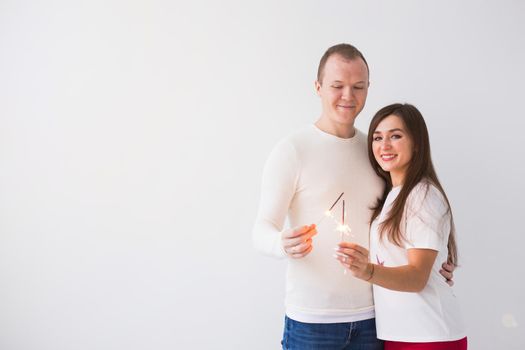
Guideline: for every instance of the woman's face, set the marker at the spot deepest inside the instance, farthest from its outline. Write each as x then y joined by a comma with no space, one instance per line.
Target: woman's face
393,148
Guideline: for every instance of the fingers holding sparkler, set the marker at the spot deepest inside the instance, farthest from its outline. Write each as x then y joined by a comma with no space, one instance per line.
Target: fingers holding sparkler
301,250
297,242
354,258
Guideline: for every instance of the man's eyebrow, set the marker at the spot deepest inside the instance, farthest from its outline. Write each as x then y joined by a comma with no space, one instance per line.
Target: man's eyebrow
358,82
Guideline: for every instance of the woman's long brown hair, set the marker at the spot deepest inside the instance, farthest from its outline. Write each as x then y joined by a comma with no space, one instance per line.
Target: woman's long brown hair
419,169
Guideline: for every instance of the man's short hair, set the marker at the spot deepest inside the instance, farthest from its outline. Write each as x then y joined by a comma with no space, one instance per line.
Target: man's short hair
346,51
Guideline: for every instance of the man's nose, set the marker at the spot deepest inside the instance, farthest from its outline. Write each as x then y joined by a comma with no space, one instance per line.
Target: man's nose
348,93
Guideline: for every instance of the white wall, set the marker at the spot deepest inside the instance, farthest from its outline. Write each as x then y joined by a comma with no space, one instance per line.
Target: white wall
133,135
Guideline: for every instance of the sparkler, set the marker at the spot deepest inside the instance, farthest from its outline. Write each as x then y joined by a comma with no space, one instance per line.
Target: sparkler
328,213
342,227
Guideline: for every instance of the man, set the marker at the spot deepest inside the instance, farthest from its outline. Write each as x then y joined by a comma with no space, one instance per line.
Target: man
304,174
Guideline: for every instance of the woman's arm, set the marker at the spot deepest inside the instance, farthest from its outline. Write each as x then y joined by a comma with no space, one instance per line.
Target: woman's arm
412,277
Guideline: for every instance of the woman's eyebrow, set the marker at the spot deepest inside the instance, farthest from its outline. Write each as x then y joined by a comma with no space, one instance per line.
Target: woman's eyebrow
391,130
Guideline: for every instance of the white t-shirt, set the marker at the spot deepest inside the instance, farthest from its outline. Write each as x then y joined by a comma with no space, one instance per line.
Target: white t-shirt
432,314
304,175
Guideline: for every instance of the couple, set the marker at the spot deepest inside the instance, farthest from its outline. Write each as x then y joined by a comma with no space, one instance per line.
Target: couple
395,206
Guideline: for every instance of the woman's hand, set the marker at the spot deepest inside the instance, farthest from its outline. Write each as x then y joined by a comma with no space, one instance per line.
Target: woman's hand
411,277
355,258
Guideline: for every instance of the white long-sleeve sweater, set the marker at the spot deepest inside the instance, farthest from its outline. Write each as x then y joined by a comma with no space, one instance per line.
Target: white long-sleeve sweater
303,176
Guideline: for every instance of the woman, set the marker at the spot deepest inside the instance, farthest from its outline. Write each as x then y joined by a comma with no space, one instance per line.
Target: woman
412,230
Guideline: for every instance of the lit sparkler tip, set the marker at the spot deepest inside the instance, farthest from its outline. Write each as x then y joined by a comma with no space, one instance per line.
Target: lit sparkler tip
343,228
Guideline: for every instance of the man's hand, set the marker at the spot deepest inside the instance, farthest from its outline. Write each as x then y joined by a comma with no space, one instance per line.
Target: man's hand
297,242
447,271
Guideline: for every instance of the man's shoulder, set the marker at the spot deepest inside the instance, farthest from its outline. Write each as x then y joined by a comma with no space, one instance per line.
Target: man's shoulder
295,139
361,136
301,134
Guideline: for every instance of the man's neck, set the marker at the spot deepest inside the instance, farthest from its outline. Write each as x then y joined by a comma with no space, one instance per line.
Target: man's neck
340,130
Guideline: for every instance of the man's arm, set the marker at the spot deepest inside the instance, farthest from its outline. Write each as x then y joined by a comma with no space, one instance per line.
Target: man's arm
279,183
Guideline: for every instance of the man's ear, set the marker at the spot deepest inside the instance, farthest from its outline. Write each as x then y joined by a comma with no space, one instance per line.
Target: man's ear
317,86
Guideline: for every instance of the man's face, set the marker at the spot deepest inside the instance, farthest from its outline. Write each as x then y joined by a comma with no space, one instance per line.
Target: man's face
343,89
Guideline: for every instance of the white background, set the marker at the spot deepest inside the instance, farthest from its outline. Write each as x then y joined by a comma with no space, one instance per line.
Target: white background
133,135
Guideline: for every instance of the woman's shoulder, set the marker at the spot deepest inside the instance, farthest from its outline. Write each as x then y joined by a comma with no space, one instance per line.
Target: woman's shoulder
426,196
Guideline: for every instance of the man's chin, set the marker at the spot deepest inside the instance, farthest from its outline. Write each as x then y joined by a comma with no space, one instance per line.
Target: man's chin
347,120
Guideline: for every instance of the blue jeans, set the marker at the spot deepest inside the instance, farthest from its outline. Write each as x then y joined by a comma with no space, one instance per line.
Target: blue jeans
360,335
